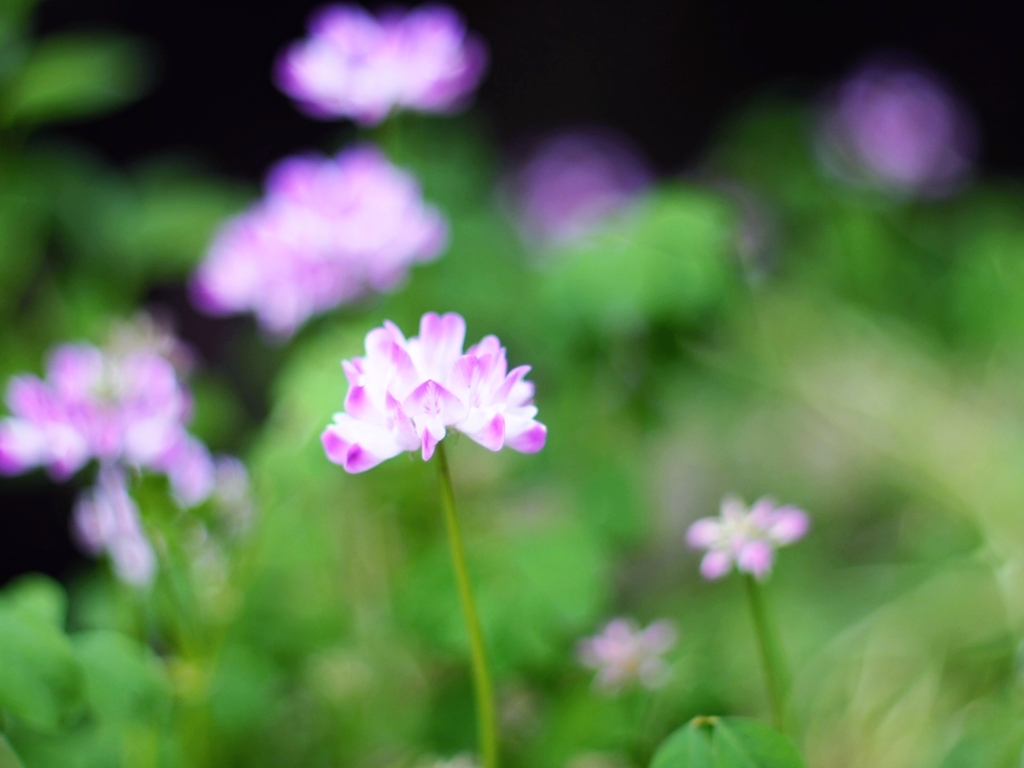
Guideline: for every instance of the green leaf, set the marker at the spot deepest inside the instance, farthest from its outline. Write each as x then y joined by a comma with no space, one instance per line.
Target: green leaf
743,743
77,75
670,259
729,742
8,759
41,596
125,681
41,682
688,747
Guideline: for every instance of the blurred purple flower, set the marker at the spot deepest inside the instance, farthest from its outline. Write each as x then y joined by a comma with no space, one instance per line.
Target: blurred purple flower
405,393
900,127
745,538
362,67
623,654
572,182
106,520
328,231
123,406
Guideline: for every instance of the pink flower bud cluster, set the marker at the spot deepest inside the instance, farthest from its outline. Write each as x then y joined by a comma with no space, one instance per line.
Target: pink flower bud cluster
624,655
405,394
328,231
745,538
354,65
898,127
573,182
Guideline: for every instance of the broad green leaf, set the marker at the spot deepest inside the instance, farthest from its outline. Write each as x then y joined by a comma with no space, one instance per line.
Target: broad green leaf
743,743
688,747
39,595
671,259
124,681
75,76
729,742
41,682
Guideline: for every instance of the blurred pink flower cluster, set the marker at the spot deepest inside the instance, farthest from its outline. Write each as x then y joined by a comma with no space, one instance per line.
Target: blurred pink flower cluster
623,654
354,65
327,231
900,127
405,393
745,538
123,406
572,182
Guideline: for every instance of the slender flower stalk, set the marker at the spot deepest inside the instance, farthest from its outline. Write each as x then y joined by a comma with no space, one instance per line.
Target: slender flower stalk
775,675
482,686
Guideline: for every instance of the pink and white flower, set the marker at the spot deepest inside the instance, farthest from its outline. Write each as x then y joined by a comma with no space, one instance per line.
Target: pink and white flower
405,393
328,231
746,538
624,654
355,65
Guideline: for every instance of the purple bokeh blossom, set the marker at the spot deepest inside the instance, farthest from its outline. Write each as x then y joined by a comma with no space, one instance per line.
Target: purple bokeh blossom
355,65
745,538
327,231
624,654
898,127
572,182
123,406
405,393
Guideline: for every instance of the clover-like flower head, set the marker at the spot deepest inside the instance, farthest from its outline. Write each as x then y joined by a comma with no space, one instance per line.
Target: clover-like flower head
745,538
405,393
328,231
358,66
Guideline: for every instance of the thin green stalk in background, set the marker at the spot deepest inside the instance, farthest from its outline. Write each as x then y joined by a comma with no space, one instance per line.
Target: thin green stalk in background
768,647
486,721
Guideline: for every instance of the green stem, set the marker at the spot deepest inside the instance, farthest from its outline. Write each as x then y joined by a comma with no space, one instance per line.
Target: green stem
771,658
486,720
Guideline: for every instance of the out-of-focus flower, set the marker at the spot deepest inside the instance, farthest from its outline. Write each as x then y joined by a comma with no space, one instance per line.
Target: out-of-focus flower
898,127
123,406
624,655
128,409
328,231
405,393
106,520
354,65
572,182
745,538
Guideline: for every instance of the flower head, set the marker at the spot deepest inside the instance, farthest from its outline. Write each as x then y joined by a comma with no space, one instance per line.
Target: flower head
405,393
898,127
328,231
745,538
573,181
623,654
126,407
354,65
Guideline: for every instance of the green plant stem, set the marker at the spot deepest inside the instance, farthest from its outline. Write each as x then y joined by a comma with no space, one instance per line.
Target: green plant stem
771,658
484,690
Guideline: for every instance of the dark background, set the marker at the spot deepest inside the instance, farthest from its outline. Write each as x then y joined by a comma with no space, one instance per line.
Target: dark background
666,74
